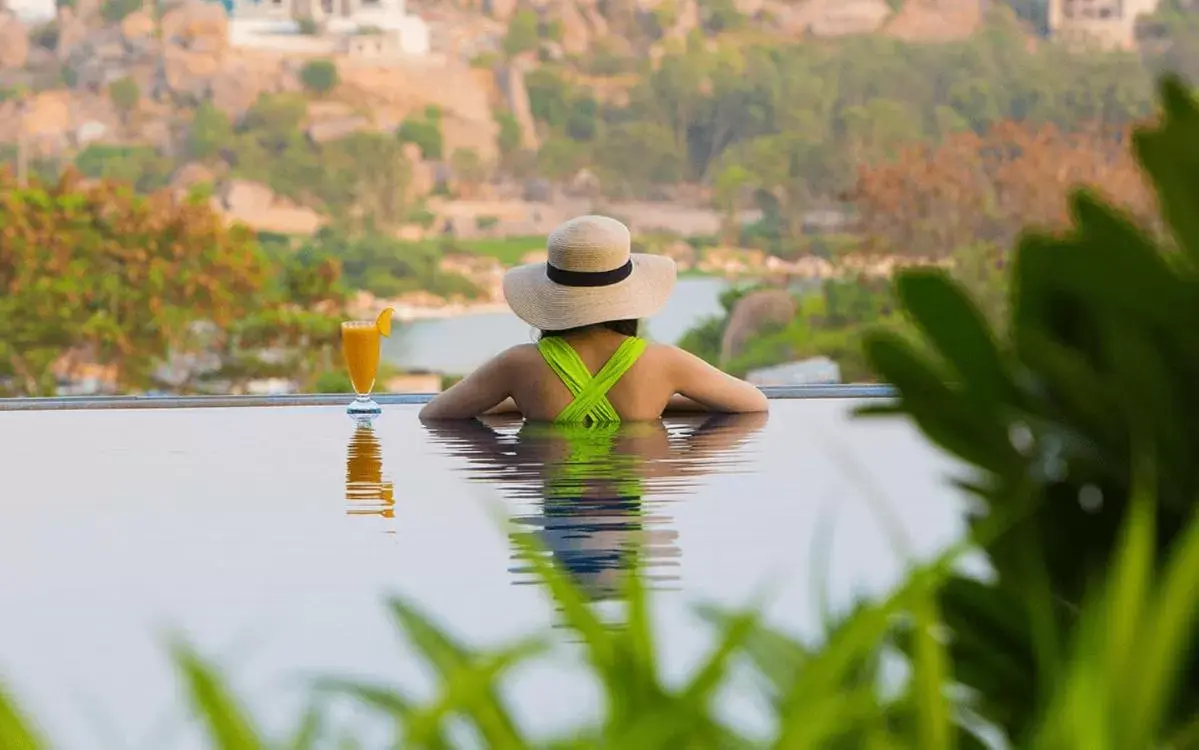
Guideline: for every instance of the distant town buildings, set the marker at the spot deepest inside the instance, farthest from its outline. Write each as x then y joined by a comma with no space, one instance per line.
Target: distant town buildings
31,11
374,29
1109,24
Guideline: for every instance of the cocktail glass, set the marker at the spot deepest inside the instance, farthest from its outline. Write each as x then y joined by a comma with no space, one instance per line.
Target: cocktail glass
360,341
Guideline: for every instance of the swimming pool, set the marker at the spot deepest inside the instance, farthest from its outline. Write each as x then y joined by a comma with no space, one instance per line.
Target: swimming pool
270,537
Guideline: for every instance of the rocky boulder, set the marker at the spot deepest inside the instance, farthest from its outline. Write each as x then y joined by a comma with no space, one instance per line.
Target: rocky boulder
751,314
72,32
235,88
190,72
936,20
14,43
511,80
97,58
198,26
191,176
244,197
576,33
501,10
423,178
138,28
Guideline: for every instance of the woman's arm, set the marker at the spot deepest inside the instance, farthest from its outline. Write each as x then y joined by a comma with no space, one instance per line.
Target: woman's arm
507,406
680,404
704,384
483,391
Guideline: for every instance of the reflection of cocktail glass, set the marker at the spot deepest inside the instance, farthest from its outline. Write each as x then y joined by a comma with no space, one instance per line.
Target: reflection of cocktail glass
368,492
360,340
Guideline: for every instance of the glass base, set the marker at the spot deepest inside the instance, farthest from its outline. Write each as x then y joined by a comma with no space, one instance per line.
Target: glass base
363,406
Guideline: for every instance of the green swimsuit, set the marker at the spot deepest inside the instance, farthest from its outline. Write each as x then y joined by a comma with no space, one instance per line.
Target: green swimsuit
590,405
589,424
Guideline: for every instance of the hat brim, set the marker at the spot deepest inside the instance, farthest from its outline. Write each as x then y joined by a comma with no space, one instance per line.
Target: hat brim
553,307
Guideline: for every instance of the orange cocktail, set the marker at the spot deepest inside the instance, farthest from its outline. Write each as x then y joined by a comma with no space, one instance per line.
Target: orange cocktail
360,347
360,344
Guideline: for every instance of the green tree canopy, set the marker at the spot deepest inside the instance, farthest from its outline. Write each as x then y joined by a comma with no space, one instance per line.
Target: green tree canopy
522,33
320,76
125,95
210,132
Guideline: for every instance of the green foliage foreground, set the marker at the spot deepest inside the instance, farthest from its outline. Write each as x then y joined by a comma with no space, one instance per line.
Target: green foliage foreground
1080,415
1079,424
1118,674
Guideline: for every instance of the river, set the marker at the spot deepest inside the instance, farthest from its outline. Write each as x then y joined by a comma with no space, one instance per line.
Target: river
455,346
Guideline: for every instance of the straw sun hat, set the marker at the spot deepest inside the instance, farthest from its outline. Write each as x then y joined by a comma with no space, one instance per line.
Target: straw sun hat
590,276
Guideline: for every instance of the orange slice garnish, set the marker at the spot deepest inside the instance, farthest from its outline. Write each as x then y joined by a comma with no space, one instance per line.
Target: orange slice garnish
383,322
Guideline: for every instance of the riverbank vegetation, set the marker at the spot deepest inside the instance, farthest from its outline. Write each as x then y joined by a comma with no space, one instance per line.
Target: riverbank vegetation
1072,427
140,287
961,204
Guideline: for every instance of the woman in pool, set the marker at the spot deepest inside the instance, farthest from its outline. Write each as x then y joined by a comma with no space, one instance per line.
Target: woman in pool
587,301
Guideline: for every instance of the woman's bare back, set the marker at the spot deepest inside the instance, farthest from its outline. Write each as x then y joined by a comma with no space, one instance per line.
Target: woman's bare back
642,393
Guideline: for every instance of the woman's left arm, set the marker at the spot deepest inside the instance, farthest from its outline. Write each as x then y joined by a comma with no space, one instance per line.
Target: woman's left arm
507,406
486,390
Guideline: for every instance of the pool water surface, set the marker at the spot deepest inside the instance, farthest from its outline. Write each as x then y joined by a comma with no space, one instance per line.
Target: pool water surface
270,538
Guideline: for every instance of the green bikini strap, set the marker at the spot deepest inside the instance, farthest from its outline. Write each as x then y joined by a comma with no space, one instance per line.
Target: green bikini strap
590,392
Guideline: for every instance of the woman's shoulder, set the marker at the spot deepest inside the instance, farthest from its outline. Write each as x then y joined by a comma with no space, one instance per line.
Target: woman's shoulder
666,351
519,353
661,355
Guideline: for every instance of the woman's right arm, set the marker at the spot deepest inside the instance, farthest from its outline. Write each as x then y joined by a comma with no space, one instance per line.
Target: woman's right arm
699,381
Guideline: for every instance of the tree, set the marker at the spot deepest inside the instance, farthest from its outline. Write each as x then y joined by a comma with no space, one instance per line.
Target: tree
786,170
270,147
425,131
119,275
932,200
114,11
508,139
125,95
210,132
388,267
296,320
468,168
549,96
582,123
720,15
636,156
522,33
141,166
729,185
810,114
367,176
319,76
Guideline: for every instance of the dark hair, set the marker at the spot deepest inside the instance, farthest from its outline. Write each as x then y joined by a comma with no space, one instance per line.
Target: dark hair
623,327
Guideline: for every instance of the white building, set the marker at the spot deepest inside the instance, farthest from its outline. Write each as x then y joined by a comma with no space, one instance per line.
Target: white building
1105,23
32,11
361,28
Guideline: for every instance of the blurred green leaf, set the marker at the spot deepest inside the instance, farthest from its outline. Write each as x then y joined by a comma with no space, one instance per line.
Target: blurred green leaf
227,724
941,412
958,333
1170,155
16,732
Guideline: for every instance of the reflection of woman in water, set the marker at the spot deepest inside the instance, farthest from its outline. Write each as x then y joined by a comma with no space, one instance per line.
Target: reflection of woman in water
367,494
594,485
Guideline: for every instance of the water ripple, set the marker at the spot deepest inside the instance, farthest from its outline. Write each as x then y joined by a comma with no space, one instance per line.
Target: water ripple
598,498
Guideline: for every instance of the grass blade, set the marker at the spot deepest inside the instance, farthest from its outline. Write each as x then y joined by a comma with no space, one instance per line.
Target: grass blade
228,726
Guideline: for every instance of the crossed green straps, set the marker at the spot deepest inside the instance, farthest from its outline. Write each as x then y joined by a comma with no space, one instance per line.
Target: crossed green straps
590,405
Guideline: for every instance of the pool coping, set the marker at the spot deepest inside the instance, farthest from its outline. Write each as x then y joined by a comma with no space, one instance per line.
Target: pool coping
64,403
